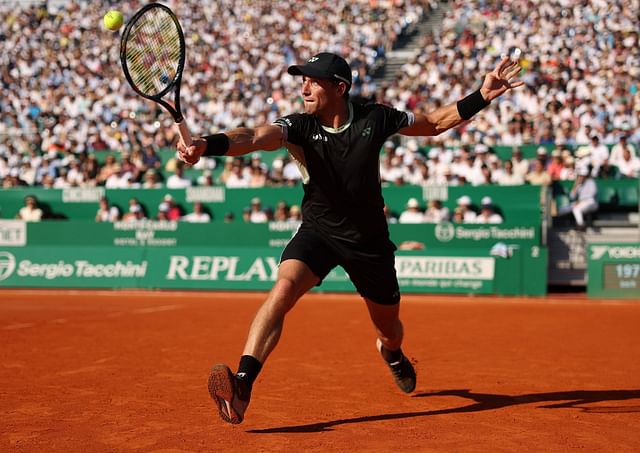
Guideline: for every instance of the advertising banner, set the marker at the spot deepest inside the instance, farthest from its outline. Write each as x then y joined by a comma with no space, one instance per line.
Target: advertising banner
220,268
148,233
613,270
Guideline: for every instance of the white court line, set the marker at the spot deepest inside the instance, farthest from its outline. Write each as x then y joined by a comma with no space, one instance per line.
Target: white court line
17,326
156,309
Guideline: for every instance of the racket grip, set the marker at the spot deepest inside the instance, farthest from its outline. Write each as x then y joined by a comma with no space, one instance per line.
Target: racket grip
184,133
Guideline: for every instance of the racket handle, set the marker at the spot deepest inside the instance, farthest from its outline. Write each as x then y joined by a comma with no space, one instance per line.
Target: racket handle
184,133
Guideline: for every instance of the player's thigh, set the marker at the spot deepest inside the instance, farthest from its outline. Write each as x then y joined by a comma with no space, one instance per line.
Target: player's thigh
296,276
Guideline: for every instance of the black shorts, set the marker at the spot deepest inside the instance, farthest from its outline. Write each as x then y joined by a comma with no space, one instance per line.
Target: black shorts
372,271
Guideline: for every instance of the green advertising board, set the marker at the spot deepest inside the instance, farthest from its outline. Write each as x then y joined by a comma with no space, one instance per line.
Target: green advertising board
272,234
255,268
613,270
517,204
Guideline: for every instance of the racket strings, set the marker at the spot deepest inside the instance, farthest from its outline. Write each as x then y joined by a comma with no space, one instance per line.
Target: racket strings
153,51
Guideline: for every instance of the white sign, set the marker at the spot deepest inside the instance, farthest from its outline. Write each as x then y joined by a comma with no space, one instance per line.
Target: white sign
220,268
13,233
445,267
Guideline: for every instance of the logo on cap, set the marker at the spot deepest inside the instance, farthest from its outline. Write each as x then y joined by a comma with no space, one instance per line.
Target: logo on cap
313,59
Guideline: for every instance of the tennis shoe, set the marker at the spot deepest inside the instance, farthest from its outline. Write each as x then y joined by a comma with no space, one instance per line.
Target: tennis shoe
230,393
403,372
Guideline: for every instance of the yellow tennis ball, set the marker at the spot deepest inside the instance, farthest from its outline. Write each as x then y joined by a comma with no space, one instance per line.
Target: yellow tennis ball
113,20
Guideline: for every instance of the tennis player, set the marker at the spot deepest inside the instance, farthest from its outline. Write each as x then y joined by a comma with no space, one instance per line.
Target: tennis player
336,145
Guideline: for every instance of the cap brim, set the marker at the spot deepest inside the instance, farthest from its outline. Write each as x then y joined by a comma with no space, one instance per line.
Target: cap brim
310,71
304,70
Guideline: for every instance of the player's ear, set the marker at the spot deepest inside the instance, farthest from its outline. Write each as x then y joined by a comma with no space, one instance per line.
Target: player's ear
342,88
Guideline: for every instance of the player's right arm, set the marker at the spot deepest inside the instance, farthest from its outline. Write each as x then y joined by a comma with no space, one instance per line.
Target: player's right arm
235,142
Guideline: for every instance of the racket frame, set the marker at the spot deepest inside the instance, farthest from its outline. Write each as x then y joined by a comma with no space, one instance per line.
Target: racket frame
175,112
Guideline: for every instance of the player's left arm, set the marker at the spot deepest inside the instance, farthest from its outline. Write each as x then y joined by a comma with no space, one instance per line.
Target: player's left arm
497,82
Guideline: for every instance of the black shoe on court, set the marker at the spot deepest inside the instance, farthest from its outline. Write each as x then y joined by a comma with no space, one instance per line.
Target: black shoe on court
403,373
230,392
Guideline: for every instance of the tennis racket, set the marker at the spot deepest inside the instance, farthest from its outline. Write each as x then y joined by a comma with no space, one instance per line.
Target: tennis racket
152,54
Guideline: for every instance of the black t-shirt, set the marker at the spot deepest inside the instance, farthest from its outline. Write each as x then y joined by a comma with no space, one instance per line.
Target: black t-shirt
341,170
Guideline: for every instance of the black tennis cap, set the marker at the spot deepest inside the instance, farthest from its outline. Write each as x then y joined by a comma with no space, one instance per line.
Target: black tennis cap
324,65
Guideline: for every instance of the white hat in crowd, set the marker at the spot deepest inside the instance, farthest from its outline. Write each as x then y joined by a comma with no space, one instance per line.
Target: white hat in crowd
464,200
412,203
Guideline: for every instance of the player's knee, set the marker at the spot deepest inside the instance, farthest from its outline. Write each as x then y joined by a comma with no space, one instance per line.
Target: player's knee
284,293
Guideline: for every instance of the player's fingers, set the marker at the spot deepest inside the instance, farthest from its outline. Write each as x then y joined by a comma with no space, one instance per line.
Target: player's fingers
512,72
504,61
516,83
510,64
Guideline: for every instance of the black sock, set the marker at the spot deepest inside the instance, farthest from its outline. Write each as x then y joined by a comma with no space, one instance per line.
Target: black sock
391,356
248,369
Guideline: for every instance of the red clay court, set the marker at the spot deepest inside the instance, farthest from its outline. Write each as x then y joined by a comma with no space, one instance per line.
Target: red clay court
127,371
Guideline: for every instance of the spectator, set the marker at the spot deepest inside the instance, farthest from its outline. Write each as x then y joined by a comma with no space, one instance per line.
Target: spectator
151,160
151,179
107,213
173,212
281,213
135,213
467,214
458,215
538,176
258,177
205,179
30,212
568,172
257,214
556,165
617,152
583,196
487,213
229,217
520,165
629,165
198,215
178,180
509,177
295,214
412,214
599,154
237,178
435,212
246,215
163,211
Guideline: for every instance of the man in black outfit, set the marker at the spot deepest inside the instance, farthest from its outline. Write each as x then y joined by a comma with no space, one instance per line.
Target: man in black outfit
336,145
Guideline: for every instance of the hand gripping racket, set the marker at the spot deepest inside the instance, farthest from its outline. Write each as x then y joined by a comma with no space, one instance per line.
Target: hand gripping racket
152,54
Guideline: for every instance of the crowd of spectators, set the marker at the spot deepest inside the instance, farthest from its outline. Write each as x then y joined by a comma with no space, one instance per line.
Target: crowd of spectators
435,212
64,102
169,210
61,86
581,70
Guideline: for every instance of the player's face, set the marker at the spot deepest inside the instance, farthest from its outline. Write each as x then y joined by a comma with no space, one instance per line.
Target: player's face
319,95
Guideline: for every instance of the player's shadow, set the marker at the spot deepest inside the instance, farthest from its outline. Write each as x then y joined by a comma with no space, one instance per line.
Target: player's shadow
484,402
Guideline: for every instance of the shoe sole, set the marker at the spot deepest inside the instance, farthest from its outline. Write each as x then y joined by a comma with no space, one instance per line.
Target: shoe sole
222,391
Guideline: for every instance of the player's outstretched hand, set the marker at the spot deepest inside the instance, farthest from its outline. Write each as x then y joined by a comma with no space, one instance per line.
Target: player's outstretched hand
191,154
501,79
